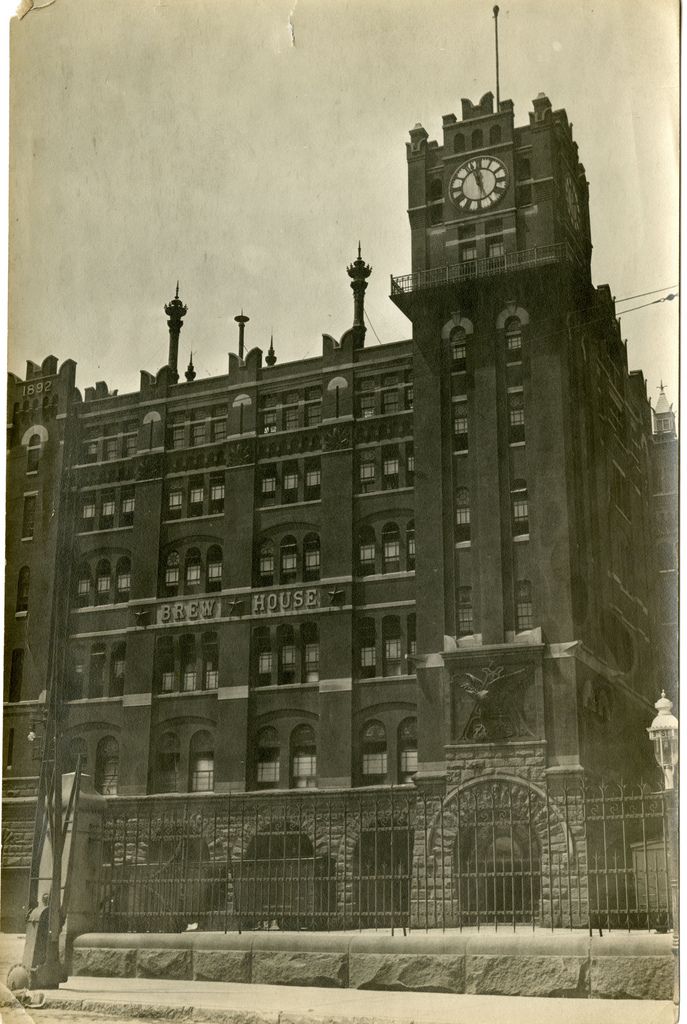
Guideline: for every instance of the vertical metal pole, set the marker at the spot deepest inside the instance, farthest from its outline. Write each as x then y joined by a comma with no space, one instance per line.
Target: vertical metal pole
496,43
443,858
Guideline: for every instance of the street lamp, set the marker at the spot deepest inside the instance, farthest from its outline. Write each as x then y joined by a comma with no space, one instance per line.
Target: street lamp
663,732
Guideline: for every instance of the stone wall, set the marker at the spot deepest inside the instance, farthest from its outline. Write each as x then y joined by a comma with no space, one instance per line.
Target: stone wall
616,966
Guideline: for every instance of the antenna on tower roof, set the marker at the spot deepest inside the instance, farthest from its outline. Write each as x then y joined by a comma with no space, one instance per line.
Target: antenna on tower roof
496,43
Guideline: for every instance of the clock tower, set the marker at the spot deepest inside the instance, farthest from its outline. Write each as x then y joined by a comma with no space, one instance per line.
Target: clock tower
531,455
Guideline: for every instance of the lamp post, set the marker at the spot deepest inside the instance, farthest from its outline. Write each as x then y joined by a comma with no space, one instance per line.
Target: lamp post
663,732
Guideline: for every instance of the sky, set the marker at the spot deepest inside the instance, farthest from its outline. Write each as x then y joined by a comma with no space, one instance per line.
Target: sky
244,146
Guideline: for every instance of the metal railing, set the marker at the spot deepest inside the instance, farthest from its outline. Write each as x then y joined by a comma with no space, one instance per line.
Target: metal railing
490,266
494,854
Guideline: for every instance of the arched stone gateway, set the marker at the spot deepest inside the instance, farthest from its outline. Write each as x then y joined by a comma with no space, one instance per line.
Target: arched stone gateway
499,850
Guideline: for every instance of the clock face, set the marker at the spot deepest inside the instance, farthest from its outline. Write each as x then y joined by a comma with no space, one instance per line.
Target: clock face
572,201
478,184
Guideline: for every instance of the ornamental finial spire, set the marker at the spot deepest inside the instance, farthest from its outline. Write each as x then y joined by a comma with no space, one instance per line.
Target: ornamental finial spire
176,311
271,357
359,271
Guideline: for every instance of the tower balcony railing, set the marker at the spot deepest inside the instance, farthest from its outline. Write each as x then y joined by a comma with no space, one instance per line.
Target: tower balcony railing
490,266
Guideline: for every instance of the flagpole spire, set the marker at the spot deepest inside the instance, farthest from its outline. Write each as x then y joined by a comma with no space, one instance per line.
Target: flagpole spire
496,42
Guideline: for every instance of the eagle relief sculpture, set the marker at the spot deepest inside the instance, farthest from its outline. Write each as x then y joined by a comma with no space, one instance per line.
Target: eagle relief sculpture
497,712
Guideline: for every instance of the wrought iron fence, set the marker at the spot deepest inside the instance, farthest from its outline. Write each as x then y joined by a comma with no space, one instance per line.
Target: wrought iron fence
493,854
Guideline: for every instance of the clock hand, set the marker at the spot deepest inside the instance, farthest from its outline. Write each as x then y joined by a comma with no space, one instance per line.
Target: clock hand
479,180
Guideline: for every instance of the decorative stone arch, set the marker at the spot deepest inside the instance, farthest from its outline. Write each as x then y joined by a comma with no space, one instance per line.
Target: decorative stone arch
512,309
35,428
337,383
509,802
457,320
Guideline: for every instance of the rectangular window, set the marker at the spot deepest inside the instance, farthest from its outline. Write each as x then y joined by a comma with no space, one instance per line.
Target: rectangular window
408,762
167,682
111,448
189,679
211,678
289,558
410,465
312,662
291,418
375,762
392,555
390,467
91,451
459,350
84,587
108,508
392,656
88,508
521,522
269,421
175,501
28,523
219,430
124,582
495,247
216,497
130,445
288,656
265,663
193,573
195,496
368,657
266,563
312,483
313,415
465,620
197,433
460,428
177,435
172,575
214,571
312,562
367,472
268,488
304,770
102,584
390,402
367,559
366,406
268,771
516,417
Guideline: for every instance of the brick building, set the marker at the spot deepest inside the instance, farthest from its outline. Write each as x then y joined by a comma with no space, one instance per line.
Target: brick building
405,565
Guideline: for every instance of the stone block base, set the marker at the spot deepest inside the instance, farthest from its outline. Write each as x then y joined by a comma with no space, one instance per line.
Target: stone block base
97,962
551,976
164,963
221,965
407,972
631,977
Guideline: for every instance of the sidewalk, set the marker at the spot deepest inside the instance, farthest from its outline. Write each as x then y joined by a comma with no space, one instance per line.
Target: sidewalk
129,998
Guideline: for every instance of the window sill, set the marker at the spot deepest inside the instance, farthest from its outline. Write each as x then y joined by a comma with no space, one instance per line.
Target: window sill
21,615
193,519
95,700
167,694
408,677
289,504
100,607
516,444
374,576
463,543
106,529
276,687
521,538
392,490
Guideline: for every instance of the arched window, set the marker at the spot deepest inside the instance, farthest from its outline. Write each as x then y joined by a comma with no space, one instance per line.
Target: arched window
373,754
201,763
117,670
210,661
410,546
187,657
391,548
458,143
172,571
367,646
262,655
168,758
76,755
516,416
123,579
494,134
310,639
23,583
192,568
286,645
407,750
103,582
367,551
266,564
465,615
107,766
84,586
477,139
288,560
311,557
463,515
303,758
391,640
33,453
96,673
267,766
459,349
513,330
520,508
214,569
523,605
164,665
